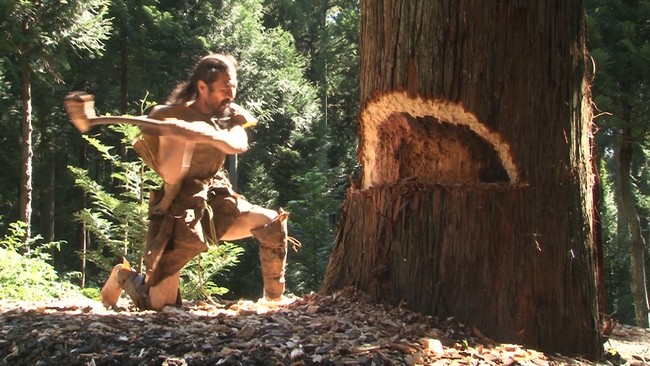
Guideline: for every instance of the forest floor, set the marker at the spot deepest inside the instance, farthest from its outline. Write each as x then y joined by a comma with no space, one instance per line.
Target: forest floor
340,329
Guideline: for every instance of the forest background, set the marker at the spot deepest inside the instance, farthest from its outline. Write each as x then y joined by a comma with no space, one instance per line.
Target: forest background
72,206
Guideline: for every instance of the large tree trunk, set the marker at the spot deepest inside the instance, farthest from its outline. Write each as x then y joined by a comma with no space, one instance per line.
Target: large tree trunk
476,195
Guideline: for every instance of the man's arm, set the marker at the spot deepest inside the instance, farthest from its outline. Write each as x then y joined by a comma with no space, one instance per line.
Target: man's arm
231,141
81,109
175,154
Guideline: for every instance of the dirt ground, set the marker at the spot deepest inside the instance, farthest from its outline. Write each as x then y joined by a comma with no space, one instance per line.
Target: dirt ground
340,329
631,343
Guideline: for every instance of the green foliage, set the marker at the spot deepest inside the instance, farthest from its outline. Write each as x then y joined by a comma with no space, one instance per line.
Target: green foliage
37,32
619,44
261,189
311,219
343,88
28,275
91,293
619,36
198,276
616,258
116,220
327,34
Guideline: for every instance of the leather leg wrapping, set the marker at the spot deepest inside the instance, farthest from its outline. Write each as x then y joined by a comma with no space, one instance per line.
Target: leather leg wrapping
134,287
127,280
273,255
187,242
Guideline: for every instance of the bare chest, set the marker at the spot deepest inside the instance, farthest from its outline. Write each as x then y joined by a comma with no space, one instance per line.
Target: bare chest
206,161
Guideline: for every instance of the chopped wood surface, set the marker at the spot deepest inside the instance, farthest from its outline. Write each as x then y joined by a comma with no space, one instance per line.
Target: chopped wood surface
340,329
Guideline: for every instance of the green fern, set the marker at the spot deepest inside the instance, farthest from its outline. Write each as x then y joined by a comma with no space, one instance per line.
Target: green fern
117,221
198,274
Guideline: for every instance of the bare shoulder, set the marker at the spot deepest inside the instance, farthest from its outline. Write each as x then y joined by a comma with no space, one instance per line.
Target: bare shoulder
176,111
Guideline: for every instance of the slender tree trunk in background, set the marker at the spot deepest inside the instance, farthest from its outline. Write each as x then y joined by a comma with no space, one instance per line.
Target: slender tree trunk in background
599,250
48,196
323,41
636,244
27,153
44,188
124,73
476,195
82,230
84,250
233,170
124,80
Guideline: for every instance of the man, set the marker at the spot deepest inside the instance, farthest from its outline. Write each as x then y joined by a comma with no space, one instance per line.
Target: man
197,203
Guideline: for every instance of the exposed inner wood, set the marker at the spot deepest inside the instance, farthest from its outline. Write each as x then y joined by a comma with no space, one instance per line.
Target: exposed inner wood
430,140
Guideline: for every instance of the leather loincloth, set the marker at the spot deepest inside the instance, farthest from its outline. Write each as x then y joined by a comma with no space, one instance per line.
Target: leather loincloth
202,211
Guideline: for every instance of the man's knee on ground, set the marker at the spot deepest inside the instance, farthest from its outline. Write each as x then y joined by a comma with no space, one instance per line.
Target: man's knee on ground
165,293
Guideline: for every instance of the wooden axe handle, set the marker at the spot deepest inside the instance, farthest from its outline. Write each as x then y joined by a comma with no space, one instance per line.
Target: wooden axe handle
80,107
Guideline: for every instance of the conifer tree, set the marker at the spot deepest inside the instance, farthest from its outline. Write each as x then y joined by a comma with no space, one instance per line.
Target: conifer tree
36,34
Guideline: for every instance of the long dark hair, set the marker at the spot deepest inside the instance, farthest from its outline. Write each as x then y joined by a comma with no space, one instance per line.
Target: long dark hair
206,70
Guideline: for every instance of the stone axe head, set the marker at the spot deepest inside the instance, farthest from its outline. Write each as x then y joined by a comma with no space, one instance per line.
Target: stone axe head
81,108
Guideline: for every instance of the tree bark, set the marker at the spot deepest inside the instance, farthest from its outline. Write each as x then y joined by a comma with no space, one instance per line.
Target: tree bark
48,196
82,232
27,153
476,194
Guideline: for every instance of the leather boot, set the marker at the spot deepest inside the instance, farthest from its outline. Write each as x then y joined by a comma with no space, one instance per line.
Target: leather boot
126,279
273,254
112,289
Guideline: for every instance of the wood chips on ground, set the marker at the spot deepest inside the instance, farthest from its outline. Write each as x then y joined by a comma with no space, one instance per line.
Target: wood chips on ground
340,329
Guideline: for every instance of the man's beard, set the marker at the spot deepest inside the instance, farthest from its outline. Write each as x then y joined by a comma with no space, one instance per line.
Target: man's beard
224,110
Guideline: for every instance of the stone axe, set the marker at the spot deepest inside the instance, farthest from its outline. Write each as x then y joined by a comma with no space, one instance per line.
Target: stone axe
80,107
